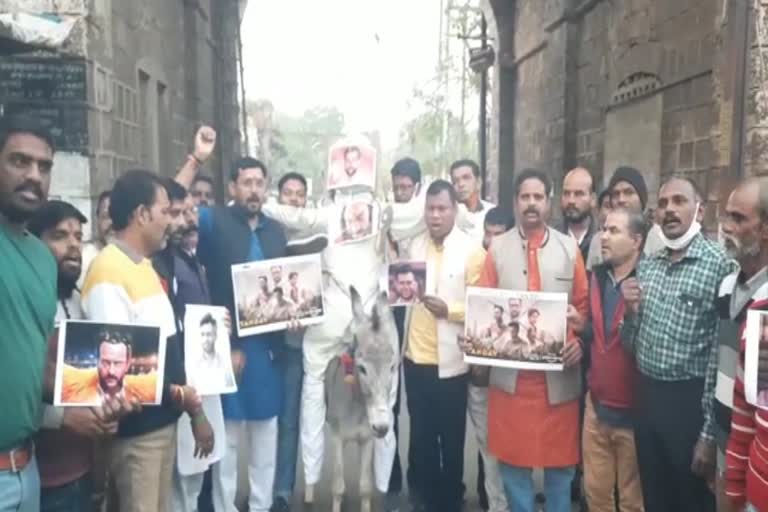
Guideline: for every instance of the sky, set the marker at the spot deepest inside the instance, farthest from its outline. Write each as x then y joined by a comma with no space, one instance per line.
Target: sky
362,56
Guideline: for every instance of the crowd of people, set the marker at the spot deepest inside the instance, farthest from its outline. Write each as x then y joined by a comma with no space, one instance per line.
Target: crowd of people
649,413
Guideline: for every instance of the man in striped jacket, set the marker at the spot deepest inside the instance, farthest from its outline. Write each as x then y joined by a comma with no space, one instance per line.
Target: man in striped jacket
746,239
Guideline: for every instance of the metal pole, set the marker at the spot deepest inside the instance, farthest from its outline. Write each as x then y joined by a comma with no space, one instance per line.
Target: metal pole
482,143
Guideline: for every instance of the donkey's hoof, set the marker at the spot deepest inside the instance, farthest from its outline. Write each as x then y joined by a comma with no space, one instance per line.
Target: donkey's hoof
309,494
365,504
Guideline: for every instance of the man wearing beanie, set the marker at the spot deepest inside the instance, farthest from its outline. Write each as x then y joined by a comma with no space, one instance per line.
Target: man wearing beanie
627,189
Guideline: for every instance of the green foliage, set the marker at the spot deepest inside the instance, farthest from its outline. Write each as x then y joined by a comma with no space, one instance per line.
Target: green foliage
297,143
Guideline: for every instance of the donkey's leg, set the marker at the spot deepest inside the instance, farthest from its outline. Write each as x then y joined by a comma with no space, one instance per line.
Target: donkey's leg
366,474
338,471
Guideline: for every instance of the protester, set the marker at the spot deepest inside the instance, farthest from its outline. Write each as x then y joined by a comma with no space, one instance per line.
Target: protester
435,375
228,236
670,324
608,444
465,177
489,487
603,207
577,202
292,190
184,281
28,294
406,179
325,341
627,189
122,287
203,190
64,445
535,257
406,183
741,469
102,235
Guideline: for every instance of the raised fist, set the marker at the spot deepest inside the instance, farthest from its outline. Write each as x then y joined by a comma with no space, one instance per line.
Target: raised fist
205,142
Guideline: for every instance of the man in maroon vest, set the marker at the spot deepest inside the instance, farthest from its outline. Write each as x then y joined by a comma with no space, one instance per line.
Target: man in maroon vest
610,460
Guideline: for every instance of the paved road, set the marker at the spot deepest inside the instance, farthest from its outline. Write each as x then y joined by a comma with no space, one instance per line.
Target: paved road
323,489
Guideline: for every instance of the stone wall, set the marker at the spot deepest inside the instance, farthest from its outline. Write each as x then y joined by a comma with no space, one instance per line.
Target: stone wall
599,83
155,72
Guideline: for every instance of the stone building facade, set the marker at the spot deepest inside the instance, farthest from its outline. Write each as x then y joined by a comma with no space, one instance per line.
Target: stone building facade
129,87
668,86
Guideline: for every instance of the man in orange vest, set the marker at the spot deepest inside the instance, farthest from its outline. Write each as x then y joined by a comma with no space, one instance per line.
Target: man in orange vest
535,257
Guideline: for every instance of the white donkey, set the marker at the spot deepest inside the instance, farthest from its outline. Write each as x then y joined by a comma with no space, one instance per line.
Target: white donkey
357,392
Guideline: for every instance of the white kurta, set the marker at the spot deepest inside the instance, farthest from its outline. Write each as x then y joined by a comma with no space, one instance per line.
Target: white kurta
359,264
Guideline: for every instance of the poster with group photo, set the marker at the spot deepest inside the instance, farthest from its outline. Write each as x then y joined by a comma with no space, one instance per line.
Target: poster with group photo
523,330
270,294
756,334
406,282
98,360
208,361
351,162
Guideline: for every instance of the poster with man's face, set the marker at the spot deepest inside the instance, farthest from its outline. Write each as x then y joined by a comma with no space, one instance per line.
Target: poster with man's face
207,357
351,162
756,334
97,361
407,282
353,221
523,330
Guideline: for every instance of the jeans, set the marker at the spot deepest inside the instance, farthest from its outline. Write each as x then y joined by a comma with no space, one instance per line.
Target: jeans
518,485
288,423
68,497
20,492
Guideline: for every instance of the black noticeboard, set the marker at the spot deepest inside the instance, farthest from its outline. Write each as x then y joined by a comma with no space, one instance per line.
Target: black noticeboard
54,90
54,79
68,124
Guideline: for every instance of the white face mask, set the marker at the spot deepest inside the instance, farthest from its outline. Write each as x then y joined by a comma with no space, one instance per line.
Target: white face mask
682,242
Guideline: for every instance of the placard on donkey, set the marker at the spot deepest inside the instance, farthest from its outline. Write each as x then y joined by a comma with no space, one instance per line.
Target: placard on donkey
358,385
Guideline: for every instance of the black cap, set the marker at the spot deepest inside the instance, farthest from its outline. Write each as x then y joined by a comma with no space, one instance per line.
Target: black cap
634,178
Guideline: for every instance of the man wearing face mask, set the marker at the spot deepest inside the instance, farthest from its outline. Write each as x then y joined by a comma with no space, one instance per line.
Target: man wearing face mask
670,325
745,237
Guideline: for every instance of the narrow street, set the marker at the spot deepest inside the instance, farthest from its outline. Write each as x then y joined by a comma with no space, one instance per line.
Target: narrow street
352,502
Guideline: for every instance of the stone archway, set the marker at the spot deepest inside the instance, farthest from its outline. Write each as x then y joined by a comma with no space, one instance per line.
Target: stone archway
499,15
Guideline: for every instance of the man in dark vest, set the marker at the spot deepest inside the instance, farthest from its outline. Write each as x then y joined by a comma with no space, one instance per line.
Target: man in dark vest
231,235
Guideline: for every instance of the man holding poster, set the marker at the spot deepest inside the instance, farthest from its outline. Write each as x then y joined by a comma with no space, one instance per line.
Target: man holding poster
535,257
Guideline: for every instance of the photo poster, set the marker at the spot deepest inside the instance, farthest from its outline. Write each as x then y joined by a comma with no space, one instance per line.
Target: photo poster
512,329
269,294
353,221
207,356
406,282
756,334
186,461
351,162
96,359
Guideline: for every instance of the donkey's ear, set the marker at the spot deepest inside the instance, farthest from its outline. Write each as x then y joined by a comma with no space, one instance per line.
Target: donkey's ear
357,305
382,303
